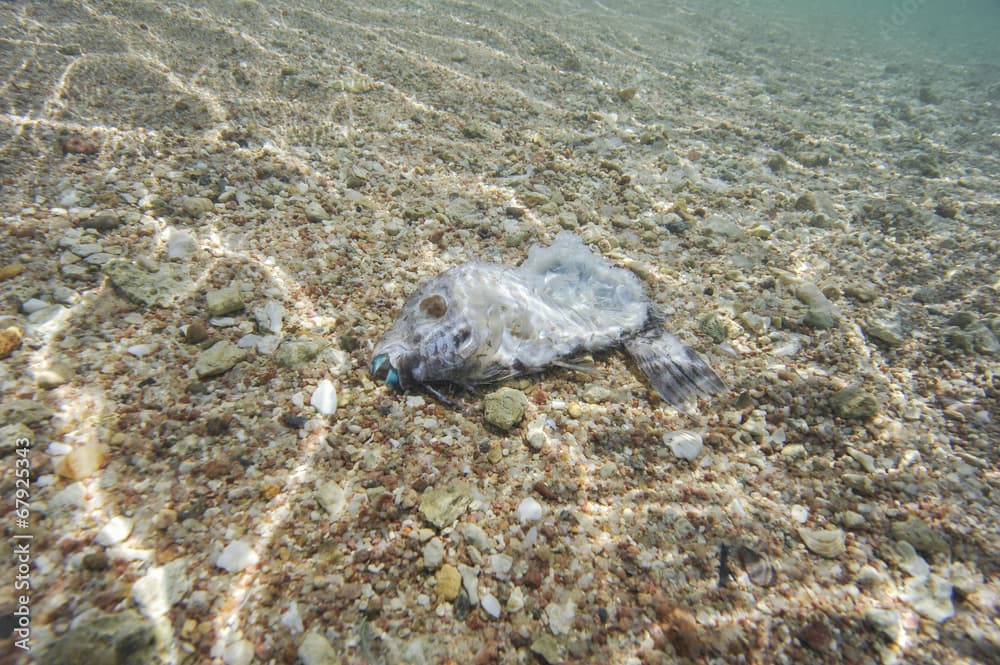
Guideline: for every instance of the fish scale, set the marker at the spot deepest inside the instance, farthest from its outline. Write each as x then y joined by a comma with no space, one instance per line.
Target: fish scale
479,323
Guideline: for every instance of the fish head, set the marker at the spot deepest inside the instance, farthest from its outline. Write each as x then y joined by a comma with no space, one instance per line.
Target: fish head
432,340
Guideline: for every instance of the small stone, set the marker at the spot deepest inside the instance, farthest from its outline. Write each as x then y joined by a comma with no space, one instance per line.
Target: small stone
225,301
490,605
433,554
196,206
10,271
123,638
333,498
160,287
853,403
930,597
886,622
105,220
449,582
820,318
515,601
529,510
141,350
475,536
443,505
807,202
501,565
923,538
316,212
269,317
684,444
115,531
317,650
560,616
82,462
161,588
195,333
723,226
886,327
596,393
828,543
10,341
218,359
237,556
548,649
535,435
852,520
324,398
297,352
504,408
239,652
95,562
181,244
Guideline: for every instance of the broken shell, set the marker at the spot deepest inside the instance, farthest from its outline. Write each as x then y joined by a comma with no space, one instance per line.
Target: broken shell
825,542
759,570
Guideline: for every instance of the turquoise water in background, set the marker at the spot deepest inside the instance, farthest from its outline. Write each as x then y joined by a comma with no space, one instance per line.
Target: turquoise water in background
959,31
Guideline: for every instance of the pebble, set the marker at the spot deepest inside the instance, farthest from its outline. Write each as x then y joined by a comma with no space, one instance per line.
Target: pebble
10,271
441,506
501,564
181,244
269,317
515,601
106,220
921,536
291,618
560,616
930,597
853,403
490,605
219,358
26,411
886,327
449,582
195,333
82,462
886,622
225,301
529,510
32,305
475,536
161,588
315,212
504,408
548,649
115,531
317,650
433,554
596,393
470,582
722,226
141,350
158,288
324,398
196,206
106,639
297,352
238,555
828,543
10,341
239,652
684,444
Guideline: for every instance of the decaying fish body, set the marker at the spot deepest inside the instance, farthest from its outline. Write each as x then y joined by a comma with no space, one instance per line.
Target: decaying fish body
482,322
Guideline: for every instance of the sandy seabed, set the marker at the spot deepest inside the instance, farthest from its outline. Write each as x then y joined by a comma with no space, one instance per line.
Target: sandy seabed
818,215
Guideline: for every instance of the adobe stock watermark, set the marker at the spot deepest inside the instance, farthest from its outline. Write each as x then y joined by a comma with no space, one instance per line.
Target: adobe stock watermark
18,622
900,14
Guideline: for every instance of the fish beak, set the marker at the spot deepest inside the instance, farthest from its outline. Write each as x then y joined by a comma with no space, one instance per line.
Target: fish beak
392,379
380,365
382,369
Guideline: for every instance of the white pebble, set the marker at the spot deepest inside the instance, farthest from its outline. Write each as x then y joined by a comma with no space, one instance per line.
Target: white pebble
237,556
324,398
684,443
115,531
491,605
529,511
239,652
140,350
32,305
291,619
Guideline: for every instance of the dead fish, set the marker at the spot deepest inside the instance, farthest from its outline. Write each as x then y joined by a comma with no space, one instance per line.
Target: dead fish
480,323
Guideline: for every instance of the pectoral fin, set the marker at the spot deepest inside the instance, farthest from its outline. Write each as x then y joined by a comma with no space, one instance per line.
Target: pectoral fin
675,370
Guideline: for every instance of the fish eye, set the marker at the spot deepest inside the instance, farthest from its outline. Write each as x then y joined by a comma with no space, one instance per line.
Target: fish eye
434,306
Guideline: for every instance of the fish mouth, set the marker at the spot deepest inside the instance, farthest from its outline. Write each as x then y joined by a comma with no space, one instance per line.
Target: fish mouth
382,369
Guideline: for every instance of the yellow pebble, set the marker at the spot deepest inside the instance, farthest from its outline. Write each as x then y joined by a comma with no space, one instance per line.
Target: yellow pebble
10,339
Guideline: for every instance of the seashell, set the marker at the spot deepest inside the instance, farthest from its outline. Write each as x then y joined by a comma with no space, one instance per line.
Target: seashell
824,542
759,569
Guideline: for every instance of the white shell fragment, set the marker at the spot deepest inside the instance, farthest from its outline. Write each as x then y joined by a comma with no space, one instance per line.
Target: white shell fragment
824,542
324,398
237,556
685,444
529,511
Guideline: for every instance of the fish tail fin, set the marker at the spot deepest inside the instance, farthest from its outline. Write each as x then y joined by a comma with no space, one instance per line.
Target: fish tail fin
675,370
